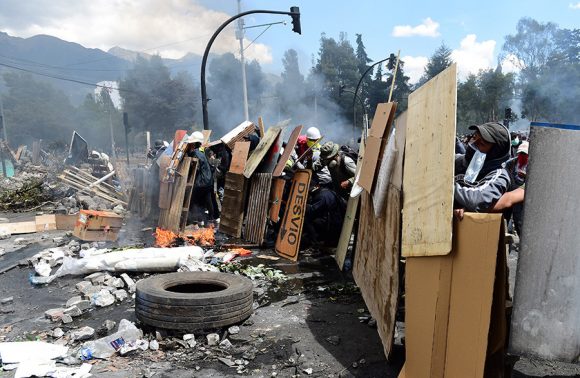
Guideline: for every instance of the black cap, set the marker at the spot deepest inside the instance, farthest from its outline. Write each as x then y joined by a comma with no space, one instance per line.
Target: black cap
492,132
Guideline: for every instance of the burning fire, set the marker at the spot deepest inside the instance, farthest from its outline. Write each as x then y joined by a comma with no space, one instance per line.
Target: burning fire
165,238
203,237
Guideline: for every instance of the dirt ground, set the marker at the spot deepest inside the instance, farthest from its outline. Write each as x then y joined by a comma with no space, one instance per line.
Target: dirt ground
315,323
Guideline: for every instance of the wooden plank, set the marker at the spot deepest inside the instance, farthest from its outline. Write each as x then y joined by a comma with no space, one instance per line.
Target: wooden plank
546,316
19,227
381,124
292,139
45,222
257,211
429,167
188,193
288,241
170,219
239,157
232,215
276,194
19,152
261,150
66,222
261,127
206,135
238,133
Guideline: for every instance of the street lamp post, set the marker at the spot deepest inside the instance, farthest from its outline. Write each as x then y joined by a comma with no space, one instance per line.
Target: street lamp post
294,13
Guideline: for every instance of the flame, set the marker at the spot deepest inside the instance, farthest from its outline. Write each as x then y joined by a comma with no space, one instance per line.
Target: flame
165,238
203,237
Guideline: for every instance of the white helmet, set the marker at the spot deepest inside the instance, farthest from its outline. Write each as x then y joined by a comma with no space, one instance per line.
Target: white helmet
313,133
196,137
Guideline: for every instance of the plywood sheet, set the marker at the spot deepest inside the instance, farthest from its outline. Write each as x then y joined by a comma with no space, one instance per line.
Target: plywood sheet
429,167
238,133
376,262
45,222
232,215
170,219
276,194
261,150
19,227
66,222
381,125
257,212
288,241
239,157
546,315
292,139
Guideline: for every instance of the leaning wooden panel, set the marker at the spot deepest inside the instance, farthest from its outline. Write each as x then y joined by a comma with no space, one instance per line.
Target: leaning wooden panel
257,212
546,315
376,262
232,215
429,167
238,134
292,139
261,150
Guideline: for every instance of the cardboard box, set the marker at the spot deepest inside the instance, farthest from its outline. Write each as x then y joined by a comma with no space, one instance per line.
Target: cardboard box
451,328
94,225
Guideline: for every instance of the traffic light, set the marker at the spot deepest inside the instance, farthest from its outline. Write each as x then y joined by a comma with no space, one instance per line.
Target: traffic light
295,14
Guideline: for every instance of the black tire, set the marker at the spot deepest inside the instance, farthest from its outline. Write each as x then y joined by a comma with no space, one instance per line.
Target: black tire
193,300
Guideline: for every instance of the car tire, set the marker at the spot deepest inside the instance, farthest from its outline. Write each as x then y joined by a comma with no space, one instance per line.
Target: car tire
193,300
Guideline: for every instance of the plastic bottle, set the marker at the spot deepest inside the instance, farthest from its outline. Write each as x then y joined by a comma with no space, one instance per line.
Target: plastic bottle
475,166
105,347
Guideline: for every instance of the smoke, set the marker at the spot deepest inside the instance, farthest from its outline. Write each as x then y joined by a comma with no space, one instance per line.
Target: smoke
521,124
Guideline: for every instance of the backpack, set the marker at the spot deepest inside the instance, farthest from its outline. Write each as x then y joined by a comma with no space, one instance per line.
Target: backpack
350,152
204,176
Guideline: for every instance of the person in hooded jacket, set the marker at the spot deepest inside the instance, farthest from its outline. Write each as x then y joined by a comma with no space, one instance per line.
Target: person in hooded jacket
492,179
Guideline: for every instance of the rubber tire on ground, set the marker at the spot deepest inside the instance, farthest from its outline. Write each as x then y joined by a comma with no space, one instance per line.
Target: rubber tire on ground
157,306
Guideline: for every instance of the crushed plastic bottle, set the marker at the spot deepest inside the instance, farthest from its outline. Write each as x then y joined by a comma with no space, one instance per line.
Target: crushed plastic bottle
107,346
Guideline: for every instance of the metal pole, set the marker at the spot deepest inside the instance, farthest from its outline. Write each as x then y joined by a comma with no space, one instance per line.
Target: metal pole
244,82
3,122
204,99
113,154
356,91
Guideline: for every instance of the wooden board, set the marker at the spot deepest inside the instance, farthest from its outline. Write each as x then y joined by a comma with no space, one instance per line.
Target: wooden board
170,219
261,127
45,222
429,167
19,227
376,262
261,150
292,139
546,315
238,133
257,211
66,222
239,157
206,135
276,193
270,160
188,194
232,215
19,152
288,241
379,128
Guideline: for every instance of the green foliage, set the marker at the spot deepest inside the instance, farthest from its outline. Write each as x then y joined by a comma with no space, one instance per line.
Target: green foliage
155,101
439,61
291,91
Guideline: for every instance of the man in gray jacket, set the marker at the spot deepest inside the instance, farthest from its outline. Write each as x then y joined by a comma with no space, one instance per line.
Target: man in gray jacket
341,167
493,180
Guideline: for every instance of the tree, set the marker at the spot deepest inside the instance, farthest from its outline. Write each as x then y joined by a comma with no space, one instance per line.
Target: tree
290,92
402,88
35,110
363,61
439,61
156,102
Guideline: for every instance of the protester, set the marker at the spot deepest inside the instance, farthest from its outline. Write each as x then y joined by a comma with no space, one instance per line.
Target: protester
342,168
478,188
324,213
203,185
303,144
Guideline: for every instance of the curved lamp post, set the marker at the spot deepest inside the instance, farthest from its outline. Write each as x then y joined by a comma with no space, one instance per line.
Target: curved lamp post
294,13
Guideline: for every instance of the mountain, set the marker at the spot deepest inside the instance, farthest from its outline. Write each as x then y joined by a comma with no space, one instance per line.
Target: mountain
46,56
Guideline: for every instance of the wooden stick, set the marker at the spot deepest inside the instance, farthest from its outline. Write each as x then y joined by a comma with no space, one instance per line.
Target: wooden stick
307,151
394,76
261,126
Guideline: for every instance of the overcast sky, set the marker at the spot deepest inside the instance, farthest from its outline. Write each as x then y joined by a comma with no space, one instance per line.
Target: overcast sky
474,30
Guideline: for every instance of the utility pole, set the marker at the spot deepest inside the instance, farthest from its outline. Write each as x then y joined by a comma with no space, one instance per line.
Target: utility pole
240,36
113,154
3,122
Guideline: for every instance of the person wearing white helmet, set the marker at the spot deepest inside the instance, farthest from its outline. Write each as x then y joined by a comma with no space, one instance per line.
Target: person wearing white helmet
310,140
203,185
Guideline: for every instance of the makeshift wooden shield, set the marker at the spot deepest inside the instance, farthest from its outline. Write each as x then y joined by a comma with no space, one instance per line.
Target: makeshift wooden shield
288,241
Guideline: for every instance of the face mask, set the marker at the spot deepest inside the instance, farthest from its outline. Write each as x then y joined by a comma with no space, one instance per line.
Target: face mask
310,143
515,142
475,165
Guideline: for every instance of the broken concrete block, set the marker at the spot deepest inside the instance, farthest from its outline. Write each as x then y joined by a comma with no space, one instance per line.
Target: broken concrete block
121,295
6,309
7,300
73,311
73,301
66,319
128,280
21,241
57,333
234,330
81,286
154,345
4,234
118,283
59,241
54,314
83,333
103,298
119,209
190,340
213,339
